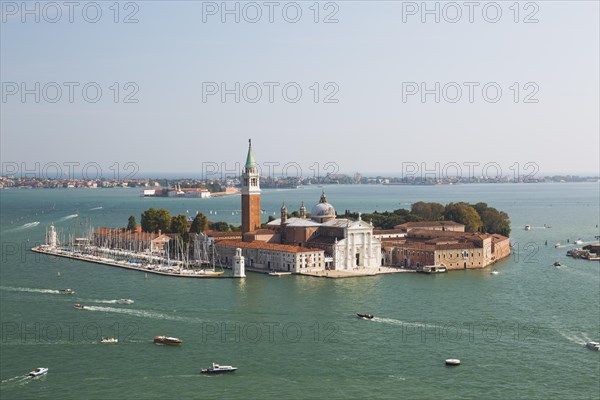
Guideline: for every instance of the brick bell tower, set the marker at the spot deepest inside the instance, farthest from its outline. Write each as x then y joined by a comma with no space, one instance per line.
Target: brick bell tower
250,193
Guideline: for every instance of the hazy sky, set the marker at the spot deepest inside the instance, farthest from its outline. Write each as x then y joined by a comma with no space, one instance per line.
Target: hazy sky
375,61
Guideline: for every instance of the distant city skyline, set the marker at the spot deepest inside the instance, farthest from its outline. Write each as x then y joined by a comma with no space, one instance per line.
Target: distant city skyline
171,87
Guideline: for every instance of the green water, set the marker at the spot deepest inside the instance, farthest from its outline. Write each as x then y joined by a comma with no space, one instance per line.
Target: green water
519,334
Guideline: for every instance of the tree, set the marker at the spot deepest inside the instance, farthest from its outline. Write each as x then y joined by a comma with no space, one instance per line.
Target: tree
179,224
428,211
131,224
463,214
154,220
220,226
495,221
199,224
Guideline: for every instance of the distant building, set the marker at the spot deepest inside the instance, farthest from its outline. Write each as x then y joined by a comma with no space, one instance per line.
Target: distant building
456,250
432,225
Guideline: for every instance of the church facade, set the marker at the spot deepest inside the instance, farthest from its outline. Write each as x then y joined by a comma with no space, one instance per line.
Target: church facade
310,243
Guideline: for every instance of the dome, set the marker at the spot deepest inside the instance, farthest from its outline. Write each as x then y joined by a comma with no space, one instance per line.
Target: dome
322,211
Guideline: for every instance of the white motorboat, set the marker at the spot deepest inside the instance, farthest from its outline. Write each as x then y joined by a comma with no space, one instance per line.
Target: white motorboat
38,372
593,345
494,272
172,341
66,291
109,340
527,227
557,245
452,362
578,241
218,369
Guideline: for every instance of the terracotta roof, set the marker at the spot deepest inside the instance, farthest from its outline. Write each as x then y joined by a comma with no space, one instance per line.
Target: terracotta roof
265,246
217,234
387,231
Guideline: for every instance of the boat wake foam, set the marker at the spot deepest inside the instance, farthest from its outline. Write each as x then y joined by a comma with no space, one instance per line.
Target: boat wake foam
24,226
67,217
141,313
29,290
96,208
115,301
398,322
577,338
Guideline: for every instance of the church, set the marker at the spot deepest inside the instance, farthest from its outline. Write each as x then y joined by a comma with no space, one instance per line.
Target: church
310,243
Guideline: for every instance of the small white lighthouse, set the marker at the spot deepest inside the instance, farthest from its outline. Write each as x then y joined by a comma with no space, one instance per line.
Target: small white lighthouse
239,269
51,237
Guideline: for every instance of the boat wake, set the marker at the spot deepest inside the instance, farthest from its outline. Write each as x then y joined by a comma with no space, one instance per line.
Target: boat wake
392,321
577,338
24,226
29,290
141,313
96,208
115,301
19,380
67,217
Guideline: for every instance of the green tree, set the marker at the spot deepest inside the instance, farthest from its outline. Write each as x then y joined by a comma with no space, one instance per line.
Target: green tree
199,224
463,214
179,224
428,211
495,221
220,226
131,223
154,220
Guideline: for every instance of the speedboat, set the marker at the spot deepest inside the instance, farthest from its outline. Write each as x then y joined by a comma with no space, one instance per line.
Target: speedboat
527,227
557,264
38,372
593,345
173,341
78,306
218,369
365,316
124,301
494,272
578,241
109,340
66,291
557,245
452,362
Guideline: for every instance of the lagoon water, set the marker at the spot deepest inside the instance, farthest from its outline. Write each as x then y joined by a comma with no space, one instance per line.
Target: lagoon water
519,334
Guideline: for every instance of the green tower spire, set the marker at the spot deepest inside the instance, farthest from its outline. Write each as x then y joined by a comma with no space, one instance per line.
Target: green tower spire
250,163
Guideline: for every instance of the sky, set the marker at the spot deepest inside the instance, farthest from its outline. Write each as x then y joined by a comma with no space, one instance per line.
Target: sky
128,88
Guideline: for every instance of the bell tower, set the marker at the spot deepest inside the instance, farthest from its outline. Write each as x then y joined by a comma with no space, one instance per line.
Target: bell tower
250,193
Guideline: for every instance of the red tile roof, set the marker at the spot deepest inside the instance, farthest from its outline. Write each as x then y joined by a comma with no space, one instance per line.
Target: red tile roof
266,246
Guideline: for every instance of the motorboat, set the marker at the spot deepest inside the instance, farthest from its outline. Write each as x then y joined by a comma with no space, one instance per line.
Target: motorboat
432,269
38,372
578,241
218,369
593,345
66,291
172,341
78,306
109,340
125,301
494,272
557,263
365,316
452,362
527,227
557,245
